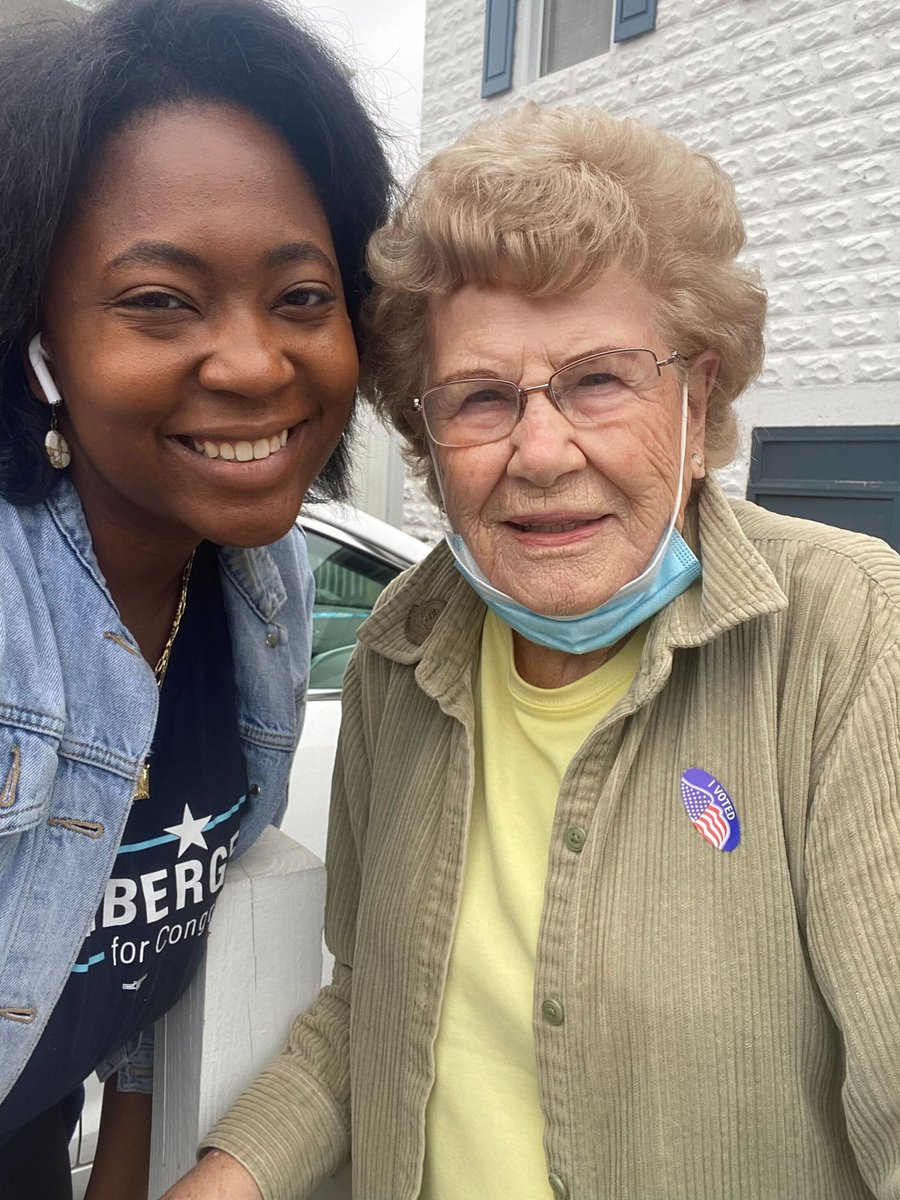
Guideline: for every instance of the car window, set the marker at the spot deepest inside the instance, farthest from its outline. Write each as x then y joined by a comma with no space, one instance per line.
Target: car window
348,582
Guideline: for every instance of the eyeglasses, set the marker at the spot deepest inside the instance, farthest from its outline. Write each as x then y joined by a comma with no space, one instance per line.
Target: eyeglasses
473,412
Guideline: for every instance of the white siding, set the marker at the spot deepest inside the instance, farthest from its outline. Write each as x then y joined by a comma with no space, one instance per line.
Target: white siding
800,101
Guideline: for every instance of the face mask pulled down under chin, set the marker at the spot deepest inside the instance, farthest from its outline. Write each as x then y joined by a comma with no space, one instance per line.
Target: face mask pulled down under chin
672,570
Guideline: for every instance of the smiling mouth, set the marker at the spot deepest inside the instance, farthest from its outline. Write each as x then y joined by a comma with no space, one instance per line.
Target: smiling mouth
238,451
557,527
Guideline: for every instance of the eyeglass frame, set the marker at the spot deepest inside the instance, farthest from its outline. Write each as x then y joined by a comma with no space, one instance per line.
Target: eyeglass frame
523,393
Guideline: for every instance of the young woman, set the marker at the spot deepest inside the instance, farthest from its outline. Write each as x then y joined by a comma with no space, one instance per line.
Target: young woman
188,186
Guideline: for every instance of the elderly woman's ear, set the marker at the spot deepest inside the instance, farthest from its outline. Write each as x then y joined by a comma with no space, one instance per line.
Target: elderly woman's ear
701,380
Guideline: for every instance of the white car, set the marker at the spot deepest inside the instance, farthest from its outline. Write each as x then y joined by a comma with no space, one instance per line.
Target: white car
353,557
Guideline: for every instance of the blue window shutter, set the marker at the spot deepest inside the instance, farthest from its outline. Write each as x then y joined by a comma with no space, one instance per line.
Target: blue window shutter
499,30
634,17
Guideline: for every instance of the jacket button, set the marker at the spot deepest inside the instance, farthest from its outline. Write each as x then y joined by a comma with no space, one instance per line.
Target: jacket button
271,640
558,1187
553,1012
575,838
253,790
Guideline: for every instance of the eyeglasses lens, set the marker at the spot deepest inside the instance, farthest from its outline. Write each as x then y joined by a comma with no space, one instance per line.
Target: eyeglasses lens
471,412
590,390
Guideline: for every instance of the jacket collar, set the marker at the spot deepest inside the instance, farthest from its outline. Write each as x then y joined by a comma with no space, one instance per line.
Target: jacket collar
253,571
737,584
431,617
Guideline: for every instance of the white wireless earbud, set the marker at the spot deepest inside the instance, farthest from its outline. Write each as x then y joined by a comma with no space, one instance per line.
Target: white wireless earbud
55,445
37,356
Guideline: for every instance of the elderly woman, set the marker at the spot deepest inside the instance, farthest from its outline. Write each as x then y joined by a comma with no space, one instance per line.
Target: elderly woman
187,190
615,848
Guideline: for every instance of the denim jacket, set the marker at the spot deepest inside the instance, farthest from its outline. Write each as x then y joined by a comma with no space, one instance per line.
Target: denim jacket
78,708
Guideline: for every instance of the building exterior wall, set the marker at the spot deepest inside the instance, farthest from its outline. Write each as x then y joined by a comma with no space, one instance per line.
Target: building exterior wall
15,10
799,100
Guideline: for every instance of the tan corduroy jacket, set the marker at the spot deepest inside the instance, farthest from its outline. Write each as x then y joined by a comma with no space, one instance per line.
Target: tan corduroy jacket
731,1021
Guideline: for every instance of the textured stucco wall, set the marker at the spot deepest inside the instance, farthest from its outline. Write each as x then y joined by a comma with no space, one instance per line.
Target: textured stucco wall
800,101
15,10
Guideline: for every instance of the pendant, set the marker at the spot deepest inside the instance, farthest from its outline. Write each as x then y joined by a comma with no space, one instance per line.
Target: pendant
57,449
142,791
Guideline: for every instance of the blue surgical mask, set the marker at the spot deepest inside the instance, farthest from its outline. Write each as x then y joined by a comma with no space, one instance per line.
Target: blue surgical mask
632,604
672,569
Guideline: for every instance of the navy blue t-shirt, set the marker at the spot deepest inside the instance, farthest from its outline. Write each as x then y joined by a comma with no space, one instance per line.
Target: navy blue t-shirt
147,937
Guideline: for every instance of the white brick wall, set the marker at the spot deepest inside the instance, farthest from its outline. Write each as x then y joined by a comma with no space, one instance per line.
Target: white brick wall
800,101
15,10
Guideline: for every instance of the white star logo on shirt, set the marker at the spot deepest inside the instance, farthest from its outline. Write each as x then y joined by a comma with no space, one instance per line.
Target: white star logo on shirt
190,831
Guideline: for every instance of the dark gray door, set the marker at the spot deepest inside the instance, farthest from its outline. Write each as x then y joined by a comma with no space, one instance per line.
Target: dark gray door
843,475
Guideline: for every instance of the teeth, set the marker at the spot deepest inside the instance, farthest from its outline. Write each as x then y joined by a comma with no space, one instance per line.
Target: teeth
553,528
242,451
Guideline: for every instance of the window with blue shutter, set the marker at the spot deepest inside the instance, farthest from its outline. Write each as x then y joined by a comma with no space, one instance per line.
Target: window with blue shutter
573,31
499,32
634,17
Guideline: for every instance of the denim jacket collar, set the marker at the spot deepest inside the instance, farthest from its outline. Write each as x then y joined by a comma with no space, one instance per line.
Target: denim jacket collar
252,570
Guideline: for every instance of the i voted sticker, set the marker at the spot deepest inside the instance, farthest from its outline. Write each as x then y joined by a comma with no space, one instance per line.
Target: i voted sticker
710,808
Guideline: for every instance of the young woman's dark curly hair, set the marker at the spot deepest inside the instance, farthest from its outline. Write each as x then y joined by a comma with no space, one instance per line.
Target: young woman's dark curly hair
67,84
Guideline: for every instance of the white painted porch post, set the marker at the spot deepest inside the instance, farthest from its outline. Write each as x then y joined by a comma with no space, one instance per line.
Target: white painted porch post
263,966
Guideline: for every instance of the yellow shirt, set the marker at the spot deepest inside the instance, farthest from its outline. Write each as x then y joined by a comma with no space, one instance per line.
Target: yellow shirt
484,1125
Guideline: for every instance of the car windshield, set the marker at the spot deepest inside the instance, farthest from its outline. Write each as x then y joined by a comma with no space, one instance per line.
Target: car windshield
348,582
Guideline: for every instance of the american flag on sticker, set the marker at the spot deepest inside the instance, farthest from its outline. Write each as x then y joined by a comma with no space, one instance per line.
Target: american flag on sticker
710,808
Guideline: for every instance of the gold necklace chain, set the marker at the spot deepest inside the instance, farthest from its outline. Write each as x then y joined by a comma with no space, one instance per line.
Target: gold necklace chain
163,664
142,790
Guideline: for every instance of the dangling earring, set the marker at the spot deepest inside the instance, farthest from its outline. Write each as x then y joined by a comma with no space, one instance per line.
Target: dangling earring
55,444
